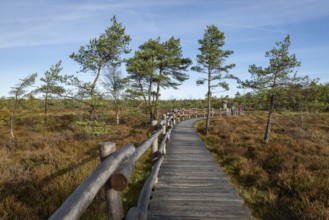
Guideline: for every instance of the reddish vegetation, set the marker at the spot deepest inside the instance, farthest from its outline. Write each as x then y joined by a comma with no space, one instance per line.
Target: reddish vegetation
41,167
288,178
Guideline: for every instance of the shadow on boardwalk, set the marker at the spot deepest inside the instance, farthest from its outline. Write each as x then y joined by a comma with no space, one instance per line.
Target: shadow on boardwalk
191,184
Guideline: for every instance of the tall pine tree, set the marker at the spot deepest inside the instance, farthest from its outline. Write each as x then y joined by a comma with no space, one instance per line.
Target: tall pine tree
211,61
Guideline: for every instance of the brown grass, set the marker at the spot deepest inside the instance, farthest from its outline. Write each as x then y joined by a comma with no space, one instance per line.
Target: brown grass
285,179
43,165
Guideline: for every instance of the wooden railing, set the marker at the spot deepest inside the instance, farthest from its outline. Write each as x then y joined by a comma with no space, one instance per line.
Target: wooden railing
114,171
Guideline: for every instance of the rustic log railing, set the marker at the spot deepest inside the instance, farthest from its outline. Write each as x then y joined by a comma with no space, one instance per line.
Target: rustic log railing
116,167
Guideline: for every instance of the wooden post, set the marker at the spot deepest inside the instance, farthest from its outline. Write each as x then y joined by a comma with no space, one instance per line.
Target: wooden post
169,120
196,113
189,114
164,125
155,142
204,112
113,198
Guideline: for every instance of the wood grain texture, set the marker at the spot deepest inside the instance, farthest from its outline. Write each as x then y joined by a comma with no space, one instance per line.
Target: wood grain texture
191,184
74,206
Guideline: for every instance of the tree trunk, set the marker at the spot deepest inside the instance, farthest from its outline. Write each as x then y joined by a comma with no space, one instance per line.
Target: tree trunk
92,93
12,127
45,110
269,120
118,116
92,111
12,119
209,104
157,99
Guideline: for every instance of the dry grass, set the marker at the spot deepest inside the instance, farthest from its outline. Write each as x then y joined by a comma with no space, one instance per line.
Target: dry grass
285,179
42,166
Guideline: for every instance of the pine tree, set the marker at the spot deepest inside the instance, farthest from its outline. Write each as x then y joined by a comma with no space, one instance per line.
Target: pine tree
211,61
272,79
101,51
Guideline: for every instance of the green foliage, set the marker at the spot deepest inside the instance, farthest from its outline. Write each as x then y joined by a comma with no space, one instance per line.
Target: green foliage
51,81
93,128
104,50
157,65
19,91
51,86
212,57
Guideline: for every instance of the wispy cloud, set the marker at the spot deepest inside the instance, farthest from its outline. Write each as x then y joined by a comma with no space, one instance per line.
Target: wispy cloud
40,22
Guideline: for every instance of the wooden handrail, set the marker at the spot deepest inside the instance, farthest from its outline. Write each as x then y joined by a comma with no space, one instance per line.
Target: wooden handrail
120,180
115,170
140,212
80,199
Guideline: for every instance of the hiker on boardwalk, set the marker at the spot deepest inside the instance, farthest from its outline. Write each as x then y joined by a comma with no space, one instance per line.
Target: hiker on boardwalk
233,110
225,107
240,109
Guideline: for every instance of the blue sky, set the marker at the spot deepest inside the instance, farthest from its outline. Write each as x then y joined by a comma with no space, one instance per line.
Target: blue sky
34,35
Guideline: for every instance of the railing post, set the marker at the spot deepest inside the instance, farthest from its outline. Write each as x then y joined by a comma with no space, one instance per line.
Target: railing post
174,121
164,125
196,113
113,198
155,142
189,114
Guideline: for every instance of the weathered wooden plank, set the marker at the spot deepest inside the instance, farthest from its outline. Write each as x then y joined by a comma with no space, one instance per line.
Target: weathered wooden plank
188,178
157,203
195,174
79,200
190,190
196,193
186,164
199,197
195,185
159,217
202,213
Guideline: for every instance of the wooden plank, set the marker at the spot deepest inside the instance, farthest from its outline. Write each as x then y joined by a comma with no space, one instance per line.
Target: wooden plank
199,197
187,177
159,217
191,190
191,172
187,165
195,185
192,203
202,213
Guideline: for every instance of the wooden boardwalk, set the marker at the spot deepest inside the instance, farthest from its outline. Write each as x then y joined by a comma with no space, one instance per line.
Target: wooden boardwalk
191,184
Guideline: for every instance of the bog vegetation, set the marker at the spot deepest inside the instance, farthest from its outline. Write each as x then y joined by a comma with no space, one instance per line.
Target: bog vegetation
288,177
49,133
